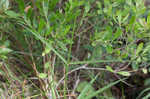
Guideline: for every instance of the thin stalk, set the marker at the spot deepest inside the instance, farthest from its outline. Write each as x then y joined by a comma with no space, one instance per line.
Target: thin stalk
68,61
96,61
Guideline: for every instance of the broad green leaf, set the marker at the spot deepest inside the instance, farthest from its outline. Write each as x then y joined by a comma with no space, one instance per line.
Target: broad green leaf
12,14
5,50
139,60
42,75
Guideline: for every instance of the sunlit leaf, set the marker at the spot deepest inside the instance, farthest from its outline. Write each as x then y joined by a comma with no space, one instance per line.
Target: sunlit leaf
46,51
47,65
12,14
87,7
139,49
124,73
109,69
145,71
117,34
42,75
5,50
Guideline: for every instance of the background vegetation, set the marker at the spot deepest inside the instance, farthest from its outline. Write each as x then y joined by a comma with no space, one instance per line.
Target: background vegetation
74,49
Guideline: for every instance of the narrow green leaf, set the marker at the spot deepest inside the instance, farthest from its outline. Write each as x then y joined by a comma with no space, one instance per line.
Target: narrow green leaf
46,51
86,89
139,49
95,61
124,73
109,69
87,7
36,34
132,21
109,49
146,97
148,19
82,85
146,49
103,89
125,18
117,34
144,91
41,25
108,33
21,5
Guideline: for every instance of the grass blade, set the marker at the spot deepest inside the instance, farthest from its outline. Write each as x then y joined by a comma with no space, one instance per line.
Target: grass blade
103,89
86,88
45,42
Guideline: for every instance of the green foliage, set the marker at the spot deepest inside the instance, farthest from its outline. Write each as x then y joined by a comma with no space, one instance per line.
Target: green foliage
87,92
4,5
124,26
43,75
4,50
11,14
21,5
141,94
48,35
123,73
82,85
